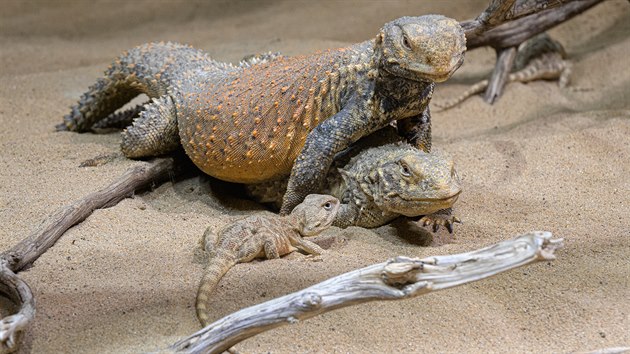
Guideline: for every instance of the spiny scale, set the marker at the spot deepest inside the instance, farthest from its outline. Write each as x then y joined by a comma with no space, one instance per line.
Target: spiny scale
282,100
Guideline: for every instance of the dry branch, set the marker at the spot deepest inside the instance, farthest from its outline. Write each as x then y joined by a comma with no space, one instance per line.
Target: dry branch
398,278
505,60
51,229
11,327
500,11
494,15
518,29
506,24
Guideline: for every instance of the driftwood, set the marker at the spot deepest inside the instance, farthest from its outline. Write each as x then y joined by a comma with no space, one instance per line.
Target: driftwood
39,241
398,278
11,327
504,25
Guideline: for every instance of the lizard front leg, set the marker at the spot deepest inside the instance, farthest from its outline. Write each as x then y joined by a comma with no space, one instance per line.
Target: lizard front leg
417,130
328,138
347,215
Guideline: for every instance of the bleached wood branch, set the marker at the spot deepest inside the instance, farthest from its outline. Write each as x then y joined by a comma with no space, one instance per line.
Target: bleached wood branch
16,289
398,278
51,229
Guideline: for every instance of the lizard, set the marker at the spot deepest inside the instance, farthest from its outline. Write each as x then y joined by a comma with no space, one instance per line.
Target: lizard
262,235
539,58
380,178
280,116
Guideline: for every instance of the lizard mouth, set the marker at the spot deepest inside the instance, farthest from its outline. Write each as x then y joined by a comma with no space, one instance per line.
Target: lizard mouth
419,206
396,70
452,197
419,74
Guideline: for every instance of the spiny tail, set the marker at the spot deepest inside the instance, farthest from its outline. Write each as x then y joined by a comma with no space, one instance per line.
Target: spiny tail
216,269
549,66
149,68
473,90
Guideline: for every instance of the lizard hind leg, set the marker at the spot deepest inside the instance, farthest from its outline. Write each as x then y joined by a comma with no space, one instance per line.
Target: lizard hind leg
154,132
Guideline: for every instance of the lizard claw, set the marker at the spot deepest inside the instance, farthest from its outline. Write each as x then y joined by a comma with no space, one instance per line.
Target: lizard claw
437,220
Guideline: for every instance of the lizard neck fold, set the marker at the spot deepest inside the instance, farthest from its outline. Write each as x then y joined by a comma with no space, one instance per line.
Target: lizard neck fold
400,97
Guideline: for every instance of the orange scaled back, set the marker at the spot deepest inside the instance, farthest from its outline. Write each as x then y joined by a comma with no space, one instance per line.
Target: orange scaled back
248,125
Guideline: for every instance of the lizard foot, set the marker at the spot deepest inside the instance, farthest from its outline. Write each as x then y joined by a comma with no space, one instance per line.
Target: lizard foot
437,220
313,258
10,329
99,160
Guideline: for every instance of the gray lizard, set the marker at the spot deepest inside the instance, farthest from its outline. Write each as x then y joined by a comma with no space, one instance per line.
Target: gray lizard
381,178
287,116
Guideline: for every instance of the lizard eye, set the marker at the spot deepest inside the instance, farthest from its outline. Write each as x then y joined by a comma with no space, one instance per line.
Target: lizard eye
404,169
328,206
405,42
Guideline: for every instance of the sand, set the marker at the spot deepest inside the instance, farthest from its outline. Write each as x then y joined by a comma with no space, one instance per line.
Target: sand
124,280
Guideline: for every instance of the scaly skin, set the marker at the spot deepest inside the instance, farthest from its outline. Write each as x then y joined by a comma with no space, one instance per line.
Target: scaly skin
539,58
379,179
265,236
279,117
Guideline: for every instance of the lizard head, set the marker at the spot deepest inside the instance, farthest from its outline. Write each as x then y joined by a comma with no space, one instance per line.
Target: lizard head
425,48
316,213
417,183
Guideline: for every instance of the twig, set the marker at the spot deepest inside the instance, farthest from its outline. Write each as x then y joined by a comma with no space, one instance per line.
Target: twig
398,278
11,327
504,25
51,229
505,60
517,30
494,15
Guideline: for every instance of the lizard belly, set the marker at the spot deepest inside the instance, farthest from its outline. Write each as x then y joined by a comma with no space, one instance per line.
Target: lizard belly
234,157
243,143
249,125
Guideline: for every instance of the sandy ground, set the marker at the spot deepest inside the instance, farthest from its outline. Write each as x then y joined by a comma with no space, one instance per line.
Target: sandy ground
125,279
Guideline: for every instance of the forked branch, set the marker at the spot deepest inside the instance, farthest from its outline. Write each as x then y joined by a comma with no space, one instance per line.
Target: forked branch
51,229
516,28
396,279
505,24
